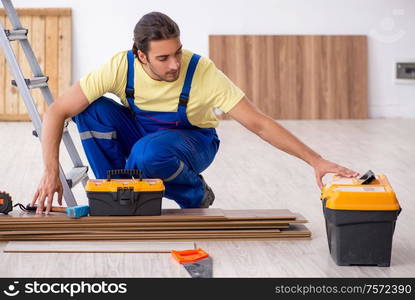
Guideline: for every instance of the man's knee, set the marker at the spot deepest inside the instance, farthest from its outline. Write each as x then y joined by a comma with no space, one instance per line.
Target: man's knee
151,157
103,111
100,106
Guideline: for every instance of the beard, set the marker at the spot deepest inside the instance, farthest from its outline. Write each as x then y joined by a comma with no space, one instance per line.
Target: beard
172,76
169,76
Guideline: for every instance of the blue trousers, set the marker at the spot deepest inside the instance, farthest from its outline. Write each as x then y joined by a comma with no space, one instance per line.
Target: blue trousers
112,140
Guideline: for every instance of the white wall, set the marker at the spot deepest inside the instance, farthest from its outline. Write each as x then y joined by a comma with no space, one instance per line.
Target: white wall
100,28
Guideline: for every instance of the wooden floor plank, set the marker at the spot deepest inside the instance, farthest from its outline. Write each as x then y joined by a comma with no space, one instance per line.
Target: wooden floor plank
96,247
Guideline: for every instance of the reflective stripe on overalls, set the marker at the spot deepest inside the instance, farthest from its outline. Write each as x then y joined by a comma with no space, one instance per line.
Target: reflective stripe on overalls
161,144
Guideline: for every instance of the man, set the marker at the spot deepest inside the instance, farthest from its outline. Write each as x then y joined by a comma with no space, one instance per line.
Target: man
166,125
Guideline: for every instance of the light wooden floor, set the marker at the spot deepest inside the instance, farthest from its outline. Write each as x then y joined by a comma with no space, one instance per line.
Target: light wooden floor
247,173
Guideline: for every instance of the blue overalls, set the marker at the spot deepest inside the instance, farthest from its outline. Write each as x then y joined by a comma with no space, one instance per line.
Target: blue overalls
161,144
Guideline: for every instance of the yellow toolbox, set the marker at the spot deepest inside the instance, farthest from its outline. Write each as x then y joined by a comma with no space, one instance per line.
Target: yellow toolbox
360,216
124,197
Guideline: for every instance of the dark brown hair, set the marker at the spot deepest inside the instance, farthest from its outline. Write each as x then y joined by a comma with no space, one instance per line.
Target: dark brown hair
152,27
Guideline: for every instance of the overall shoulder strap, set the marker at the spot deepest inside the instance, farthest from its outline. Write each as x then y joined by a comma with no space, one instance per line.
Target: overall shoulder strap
184,96
129,89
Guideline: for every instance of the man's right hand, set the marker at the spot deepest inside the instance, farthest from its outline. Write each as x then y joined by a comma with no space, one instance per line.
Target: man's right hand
71,103
48,186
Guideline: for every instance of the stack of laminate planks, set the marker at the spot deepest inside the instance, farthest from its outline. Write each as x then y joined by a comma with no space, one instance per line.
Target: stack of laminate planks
173,224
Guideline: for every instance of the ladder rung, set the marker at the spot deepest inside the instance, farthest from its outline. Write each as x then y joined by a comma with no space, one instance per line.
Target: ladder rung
76,175
34,82
16,34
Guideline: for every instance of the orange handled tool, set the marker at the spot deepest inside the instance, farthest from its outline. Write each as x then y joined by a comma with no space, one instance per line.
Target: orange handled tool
197,262
186,256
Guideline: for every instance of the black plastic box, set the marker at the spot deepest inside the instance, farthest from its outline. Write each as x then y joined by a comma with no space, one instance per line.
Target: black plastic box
125,203
360,238
125,196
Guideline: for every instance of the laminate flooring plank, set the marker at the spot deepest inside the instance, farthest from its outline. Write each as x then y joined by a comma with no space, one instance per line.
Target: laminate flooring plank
167,215
96,247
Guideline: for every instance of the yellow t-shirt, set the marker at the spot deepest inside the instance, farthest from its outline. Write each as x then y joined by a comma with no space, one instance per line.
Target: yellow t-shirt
210,88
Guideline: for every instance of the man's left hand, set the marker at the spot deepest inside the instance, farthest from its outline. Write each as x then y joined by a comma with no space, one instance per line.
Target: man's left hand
322,167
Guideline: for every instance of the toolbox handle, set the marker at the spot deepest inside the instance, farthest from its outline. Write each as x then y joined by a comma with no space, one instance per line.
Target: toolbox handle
368,177
131,172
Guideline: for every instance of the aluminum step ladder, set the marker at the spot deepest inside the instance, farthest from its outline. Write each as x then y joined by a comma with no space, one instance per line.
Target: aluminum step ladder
79,172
